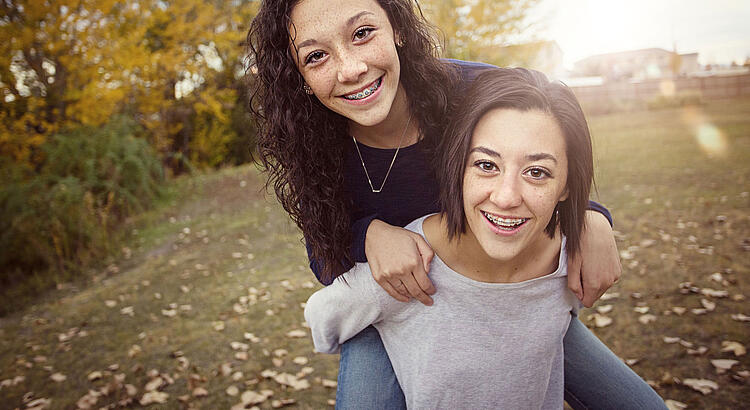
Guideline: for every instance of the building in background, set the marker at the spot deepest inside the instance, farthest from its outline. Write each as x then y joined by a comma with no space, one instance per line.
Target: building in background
638,65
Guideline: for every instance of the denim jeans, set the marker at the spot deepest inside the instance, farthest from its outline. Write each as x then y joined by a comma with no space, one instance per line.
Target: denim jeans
594,377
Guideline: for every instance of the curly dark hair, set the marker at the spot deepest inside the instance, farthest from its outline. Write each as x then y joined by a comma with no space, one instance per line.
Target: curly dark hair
520,89
301,142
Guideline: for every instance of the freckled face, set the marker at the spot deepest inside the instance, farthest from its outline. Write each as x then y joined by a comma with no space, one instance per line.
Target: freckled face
346,53
515,175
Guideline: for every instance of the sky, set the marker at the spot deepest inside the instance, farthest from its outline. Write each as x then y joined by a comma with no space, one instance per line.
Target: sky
719,30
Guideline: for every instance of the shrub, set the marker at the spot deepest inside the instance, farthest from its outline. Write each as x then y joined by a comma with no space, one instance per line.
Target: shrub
61,217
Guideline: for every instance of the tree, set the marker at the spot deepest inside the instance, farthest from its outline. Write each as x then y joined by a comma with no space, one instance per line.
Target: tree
477,29
173,65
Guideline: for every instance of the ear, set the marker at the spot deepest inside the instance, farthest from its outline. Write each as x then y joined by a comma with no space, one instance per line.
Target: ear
564,195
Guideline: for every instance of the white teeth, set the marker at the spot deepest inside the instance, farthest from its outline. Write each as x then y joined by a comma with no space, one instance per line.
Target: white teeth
366,92
504,222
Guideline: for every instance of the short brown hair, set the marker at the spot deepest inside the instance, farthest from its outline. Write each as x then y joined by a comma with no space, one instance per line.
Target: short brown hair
524,90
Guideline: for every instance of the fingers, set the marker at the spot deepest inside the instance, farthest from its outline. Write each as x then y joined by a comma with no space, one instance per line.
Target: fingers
393,292
426,252
574,277
415,290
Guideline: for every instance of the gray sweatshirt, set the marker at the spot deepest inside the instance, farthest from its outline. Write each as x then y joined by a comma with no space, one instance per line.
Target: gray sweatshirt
480,345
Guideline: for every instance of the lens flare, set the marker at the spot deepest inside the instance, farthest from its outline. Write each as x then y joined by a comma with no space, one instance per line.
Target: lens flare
709,137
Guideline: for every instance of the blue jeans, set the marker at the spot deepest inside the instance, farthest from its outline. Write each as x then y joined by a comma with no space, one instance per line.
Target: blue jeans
594,377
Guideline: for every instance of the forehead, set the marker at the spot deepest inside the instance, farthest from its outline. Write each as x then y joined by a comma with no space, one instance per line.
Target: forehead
511,131
319,17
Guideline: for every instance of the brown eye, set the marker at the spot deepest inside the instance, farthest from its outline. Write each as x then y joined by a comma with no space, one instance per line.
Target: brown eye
486,166
538,173
363,33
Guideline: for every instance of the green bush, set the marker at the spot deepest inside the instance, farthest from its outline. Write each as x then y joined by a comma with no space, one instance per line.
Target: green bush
60,218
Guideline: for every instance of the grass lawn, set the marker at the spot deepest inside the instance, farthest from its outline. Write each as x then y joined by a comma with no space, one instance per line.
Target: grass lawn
203,309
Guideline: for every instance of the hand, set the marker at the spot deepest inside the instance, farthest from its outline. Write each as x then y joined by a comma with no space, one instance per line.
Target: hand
399,261
597,266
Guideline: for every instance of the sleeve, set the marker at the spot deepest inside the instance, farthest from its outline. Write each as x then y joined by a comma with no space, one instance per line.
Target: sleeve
359,233
596,207
341,310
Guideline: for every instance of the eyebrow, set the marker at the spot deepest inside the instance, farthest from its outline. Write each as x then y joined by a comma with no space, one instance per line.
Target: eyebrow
531,157
349,22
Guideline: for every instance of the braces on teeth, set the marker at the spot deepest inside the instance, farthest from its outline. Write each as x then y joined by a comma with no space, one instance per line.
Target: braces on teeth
504,222
364,93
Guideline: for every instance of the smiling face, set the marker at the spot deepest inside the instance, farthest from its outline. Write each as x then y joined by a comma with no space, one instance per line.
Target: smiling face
515,175
346,52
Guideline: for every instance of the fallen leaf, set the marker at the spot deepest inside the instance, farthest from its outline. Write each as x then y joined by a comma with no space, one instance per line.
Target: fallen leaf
296,333
241,356
679,310
609,295
674,405
252,338
632,362
276,404
280,352
603,309
239,346
218,325
697,352
252,397
237,376
702,385
714,293
685,343
88,400
154,397
169,312
232,391
647,318
200,392
38,404
128,310
641,309
131,390
600,320
722,365
329,383
277,362
698,312
710,306
110,303
668,339
153,384
737,348
268,373
95,375
741,317
58,377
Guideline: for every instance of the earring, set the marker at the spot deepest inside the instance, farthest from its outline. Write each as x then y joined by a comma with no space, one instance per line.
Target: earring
307,89
399,43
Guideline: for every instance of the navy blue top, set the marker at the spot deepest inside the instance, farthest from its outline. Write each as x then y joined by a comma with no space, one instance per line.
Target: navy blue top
411,190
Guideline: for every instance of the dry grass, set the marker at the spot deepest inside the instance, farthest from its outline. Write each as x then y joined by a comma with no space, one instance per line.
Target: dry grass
234,258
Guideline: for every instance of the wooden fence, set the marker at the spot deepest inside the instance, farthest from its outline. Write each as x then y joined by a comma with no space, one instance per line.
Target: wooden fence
714,87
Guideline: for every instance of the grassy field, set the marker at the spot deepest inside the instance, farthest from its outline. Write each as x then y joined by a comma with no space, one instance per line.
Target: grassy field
203,309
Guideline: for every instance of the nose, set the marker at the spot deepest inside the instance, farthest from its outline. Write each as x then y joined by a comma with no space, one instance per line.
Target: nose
507,193
351,67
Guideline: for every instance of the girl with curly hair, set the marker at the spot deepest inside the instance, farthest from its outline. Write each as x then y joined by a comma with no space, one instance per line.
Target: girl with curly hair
351,98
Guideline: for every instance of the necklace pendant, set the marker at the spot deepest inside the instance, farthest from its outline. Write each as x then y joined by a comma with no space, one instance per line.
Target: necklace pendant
375,191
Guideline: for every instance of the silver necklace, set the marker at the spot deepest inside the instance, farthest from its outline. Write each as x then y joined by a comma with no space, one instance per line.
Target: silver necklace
367,174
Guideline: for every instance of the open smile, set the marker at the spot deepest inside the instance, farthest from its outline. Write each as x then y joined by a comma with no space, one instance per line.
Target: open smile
504,224
368,91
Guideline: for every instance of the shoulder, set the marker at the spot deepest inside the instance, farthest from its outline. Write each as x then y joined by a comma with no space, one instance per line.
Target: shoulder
468,70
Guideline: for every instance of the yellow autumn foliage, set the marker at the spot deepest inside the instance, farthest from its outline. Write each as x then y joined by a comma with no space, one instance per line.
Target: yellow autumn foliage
66,63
